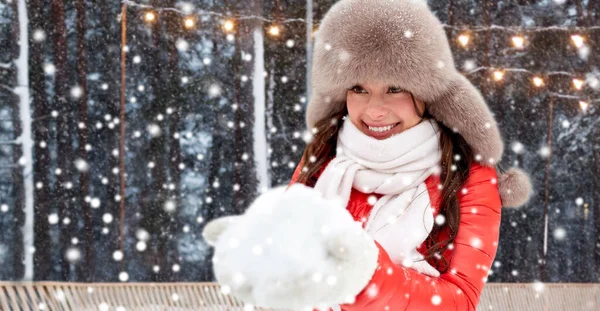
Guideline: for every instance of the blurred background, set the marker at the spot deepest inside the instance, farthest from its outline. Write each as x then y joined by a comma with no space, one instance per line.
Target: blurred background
110,166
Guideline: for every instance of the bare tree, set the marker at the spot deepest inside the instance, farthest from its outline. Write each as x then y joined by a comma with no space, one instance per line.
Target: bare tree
17,149
62,191
41,128
82,139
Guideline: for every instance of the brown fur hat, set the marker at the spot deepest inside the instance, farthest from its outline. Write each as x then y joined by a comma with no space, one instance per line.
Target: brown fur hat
401,43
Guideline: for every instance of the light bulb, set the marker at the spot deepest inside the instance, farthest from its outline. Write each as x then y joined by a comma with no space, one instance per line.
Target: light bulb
463,39
578,83
150,16
228,26
537,81
189,22
577,40
274,30
498,75
518,41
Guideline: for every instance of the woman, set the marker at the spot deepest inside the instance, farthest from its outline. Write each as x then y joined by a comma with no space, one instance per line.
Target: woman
392,117
403,139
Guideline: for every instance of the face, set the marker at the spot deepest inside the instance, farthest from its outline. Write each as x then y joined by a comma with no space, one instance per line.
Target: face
381,110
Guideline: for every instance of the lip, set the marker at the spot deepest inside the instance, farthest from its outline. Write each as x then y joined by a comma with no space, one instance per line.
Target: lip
380,134
378,125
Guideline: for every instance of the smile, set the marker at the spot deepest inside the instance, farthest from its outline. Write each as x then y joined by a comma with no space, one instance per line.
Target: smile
378,131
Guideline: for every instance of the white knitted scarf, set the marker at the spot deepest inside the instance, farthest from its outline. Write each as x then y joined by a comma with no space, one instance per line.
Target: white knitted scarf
396,167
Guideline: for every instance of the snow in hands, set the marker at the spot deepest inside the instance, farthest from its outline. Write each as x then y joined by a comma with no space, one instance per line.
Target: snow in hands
292,249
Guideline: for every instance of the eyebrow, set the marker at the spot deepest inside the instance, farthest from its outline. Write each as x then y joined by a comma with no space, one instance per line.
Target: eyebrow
389,86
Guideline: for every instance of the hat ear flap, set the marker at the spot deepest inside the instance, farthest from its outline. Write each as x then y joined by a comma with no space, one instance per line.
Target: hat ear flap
461,107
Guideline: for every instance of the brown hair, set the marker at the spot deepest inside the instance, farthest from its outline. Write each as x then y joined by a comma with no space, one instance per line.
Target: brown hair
455,152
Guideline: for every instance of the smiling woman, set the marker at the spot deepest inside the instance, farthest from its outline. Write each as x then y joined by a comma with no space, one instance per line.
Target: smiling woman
382,111
403,143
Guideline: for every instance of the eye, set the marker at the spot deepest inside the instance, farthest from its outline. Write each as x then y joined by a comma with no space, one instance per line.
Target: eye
357,89
394,89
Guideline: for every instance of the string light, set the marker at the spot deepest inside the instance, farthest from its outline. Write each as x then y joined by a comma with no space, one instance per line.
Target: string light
537,81
189,22
150,16
463,39
518,41
274,30
578,83
577,40
228,25
498,75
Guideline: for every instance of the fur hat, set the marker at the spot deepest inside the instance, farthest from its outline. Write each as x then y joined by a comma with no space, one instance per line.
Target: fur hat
401,43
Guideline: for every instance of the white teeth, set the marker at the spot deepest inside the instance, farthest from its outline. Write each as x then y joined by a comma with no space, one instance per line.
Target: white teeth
381,129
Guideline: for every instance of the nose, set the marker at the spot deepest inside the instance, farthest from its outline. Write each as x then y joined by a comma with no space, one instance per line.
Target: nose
376,109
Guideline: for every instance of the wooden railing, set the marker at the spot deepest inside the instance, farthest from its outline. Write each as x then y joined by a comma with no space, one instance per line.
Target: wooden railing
56,296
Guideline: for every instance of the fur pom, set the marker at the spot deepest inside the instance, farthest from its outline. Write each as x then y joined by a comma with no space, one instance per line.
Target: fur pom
515,187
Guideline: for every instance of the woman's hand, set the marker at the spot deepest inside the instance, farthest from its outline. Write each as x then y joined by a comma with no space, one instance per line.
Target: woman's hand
292,249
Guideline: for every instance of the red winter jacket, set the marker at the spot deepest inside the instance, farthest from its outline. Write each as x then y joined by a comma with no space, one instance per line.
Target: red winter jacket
396,288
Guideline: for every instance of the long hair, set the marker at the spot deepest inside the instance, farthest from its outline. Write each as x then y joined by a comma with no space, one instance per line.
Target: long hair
456,160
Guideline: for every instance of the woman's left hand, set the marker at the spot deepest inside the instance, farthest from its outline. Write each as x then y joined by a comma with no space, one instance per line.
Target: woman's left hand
292,249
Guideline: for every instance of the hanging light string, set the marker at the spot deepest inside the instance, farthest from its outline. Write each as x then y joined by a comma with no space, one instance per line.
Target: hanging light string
210,13
515,29
229,22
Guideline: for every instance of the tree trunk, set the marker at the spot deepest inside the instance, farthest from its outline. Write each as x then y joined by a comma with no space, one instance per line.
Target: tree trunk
41,127
246,98
155,218
82,137
62,192
17,148
174,31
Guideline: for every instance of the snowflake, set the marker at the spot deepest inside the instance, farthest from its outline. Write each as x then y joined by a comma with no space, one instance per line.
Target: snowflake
95,202
73,254
559,233
123,276
436,300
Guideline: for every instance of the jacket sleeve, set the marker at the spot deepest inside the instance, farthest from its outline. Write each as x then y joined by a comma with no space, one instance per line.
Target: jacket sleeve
395,288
